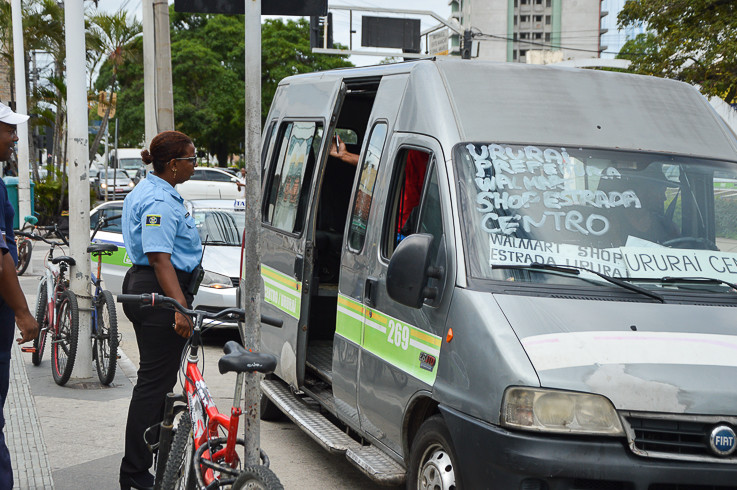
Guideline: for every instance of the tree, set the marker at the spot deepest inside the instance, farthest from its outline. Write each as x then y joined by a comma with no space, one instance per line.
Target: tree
694,41
208,73
113,34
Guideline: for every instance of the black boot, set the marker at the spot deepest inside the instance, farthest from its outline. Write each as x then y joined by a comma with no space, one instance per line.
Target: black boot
139,481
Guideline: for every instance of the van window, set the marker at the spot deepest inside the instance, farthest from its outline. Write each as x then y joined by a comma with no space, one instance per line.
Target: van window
365,192
295,161
265,150
404,198
431,216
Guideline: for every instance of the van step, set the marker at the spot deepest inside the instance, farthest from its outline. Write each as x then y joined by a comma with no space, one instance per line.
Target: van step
369,459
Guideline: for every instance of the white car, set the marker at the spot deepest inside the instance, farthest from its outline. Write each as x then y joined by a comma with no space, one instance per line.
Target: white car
211,183
220,224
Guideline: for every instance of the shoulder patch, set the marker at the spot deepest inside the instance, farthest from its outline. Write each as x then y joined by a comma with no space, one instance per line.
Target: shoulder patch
153,220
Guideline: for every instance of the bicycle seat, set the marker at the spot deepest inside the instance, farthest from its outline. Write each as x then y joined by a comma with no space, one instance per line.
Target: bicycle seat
237,359
64,258
102,247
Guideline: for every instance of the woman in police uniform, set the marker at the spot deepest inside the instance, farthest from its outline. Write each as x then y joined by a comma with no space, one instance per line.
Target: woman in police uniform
163,244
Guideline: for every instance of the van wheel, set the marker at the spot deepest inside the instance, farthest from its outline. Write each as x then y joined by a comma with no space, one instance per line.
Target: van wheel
269,411
432,459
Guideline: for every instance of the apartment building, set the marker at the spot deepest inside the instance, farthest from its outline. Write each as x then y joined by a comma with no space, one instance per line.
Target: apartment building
511,30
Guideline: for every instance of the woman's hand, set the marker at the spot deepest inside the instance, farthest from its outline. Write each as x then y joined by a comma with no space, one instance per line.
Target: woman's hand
182,325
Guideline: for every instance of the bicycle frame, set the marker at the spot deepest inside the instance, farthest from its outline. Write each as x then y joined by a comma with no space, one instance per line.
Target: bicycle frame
198,395
52,275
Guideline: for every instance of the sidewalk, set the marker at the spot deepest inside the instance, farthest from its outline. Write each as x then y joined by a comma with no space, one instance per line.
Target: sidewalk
67,437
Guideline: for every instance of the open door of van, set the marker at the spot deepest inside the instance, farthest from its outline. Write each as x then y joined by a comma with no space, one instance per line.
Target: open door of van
302,114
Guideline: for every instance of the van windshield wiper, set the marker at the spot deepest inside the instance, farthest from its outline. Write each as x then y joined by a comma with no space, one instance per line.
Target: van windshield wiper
698,280
576,270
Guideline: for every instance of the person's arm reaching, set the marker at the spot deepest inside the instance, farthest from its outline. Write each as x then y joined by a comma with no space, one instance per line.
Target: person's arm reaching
13,295
341,153
167,277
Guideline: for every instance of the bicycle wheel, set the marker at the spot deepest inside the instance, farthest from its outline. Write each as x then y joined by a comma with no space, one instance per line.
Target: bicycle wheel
179,473
64,339
257,478
24,256
105,338
39,343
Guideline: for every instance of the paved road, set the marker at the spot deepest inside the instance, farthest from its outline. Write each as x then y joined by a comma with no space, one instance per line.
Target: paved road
77,440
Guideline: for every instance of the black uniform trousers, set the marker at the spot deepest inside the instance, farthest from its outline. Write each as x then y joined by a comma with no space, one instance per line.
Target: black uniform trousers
160,350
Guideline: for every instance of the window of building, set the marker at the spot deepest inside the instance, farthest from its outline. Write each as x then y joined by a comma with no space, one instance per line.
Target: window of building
538,35
365,191
524,18
538,18
290,176
547,37
524,35
547,20
524,2
522,53
538,2
548,3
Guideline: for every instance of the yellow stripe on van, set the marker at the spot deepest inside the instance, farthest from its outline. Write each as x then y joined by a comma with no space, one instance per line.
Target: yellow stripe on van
280,277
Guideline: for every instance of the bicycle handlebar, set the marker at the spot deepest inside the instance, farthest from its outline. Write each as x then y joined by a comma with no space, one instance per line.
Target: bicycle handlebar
155,299
45,240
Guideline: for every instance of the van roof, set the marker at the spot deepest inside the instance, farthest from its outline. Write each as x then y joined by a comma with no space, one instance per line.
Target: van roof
556,106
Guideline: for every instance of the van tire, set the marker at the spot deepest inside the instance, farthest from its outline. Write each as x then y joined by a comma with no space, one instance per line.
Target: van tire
432,459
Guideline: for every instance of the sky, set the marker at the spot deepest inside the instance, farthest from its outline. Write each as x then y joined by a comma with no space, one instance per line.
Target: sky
340,18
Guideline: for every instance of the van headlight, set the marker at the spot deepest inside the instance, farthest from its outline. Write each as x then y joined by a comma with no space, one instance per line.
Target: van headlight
103,185
544,410
215,280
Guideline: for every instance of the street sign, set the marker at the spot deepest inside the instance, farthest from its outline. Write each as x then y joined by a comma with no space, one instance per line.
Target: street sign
102,104
391,32
237,7
437,43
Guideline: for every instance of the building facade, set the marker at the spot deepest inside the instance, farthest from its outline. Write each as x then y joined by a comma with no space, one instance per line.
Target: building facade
512,30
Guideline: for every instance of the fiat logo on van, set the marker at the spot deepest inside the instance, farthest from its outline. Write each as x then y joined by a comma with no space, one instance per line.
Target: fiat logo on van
722,440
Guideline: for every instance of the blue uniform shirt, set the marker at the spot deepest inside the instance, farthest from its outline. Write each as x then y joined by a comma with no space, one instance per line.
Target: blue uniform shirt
155,220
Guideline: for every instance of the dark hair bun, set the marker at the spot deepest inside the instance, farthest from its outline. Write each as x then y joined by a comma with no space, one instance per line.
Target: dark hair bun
146,157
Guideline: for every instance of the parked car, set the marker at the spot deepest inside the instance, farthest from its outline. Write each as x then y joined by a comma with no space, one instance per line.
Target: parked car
211,183
220,225
115,182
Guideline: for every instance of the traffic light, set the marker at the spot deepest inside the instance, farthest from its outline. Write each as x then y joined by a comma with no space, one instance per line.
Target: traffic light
467,42
317,30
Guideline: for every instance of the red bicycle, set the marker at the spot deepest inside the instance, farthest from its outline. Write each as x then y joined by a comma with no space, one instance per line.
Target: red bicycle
197,443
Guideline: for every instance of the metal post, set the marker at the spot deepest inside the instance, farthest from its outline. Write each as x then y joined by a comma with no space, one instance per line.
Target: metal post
164,90
149,71
21,106
79,196
251,273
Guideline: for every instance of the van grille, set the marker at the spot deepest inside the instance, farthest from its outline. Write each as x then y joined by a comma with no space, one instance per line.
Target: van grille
684,438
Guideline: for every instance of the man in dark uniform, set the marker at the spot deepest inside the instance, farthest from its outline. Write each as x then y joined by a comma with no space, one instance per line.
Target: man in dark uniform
13,306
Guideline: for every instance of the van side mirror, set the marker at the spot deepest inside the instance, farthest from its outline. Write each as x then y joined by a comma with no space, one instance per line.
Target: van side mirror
409,269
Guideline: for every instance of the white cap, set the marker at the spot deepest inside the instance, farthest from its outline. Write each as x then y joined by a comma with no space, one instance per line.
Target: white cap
9,117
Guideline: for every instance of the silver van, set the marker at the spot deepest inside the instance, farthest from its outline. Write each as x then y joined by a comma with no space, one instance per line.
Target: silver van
526,282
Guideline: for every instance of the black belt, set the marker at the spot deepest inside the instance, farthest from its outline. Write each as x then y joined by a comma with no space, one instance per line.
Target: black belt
181,275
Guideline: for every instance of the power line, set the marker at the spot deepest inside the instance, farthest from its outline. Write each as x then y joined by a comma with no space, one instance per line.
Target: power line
493,37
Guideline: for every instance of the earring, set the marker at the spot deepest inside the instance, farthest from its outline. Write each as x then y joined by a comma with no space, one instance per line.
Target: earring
175,171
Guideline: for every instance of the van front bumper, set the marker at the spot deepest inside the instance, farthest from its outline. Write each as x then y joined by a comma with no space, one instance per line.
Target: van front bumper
491,456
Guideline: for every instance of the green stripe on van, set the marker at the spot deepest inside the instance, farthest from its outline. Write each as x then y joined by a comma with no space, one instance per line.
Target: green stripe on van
405,346
282,291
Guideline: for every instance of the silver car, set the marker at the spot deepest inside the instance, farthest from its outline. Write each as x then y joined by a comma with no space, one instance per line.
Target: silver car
220,224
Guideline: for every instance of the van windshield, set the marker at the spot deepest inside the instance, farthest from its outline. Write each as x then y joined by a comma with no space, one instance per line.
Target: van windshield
632,215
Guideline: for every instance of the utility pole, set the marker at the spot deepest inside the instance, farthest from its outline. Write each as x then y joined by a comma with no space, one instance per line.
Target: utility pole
251,273
21,106
158,92
79,196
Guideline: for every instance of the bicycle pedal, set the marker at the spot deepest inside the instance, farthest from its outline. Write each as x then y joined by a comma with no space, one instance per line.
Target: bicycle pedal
32,350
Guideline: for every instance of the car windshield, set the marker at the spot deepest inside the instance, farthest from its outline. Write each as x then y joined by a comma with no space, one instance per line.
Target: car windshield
220,226
129,163
117,174
632,215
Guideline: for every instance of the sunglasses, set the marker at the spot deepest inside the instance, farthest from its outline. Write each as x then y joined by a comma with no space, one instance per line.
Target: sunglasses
192,160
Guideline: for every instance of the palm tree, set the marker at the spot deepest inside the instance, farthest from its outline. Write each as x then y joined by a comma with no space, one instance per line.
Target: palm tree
114,33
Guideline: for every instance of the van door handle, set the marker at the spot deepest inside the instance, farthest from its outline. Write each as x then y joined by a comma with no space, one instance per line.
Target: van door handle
299,265
369,292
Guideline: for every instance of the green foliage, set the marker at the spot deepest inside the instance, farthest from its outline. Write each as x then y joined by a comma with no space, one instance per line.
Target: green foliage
690,40
208,73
